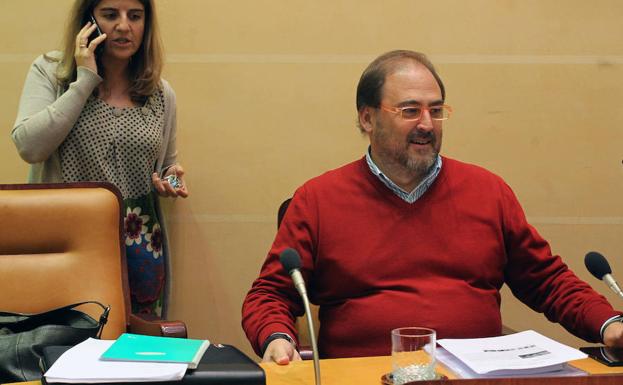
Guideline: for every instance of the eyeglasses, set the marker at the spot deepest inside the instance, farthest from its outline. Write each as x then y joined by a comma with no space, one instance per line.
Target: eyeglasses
441,112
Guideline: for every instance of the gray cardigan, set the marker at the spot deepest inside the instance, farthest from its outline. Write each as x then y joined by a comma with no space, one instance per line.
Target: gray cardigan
47,113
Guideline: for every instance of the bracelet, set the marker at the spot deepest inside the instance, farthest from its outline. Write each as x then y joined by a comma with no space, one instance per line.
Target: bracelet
607,323
275,336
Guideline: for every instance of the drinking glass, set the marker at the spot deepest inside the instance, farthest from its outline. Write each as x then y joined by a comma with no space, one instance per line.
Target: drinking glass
413,354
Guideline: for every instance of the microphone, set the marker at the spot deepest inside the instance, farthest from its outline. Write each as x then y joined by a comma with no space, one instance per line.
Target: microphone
600,268
291,262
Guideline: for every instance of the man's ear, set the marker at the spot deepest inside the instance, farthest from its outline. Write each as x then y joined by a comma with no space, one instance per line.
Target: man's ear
366,117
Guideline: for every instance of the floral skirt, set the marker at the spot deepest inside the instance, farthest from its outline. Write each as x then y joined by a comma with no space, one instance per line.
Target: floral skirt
145,254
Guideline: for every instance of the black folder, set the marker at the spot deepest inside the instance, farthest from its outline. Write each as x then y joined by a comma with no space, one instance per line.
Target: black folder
221,364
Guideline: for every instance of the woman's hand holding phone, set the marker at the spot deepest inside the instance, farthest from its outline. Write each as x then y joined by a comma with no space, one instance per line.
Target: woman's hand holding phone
84,53
172,183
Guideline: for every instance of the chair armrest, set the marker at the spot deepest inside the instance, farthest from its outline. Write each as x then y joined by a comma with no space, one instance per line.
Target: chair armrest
153,326
306,353
506,330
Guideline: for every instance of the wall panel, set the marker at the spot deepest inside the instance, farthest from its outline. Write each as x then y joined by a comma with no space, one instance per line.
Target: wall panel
266,100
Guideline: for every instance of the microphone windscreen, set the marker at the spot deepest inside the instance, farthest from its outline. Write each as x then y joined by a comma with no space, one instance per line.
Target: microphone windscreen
597,264
290,260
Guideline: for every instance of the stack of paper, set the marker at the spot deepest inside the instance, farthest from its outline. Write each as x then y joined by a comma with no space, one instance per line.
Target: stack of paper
82,364
521,353
461,370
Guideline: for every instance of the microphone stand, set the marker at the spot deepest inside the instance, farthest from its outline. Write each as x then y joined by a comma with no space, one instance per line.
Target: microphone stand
291,261
312,336
612,284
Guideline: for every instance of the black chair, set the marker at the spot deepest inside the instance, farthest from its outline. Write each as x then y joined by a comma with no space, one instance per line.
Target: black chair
283,207
305,349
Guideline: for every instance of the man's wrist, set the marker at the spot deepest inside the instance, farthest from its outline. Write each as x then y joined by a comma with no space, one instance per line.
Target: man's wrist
618,318
276,336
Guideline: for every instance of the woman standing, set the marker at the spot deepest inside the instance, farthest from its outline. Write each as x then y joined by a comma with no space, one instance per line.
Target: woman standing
99,111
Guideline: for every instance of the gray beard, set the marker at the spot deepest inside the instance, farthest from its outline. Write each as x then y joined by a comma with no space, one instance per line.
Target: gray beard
418,166
401,158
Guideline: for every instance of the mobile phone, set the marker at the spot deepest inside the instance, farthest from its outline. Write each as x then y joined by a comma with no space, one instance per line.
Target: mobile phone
96,33
174,181
605,355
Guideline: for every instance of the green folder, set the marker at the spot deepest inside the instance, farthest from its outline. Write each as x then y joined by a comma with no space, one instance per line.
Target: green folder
136,347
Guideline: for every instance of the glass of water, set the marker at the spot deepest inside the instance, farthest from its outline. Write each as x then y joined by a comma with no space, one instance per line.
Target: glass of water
413,354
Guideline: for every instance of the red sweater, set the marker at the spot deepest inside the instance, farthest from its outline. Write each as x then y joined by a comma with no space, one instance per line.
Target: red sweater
374,262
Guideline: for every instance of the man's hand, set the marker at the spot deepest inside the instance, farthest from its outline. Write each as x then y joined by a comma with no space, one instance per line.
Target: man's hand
613,335
281,351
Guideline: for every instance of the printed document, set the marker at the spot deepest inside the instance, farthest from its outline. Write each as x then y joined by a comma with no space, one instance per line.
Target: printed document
520,353
82,364
463,371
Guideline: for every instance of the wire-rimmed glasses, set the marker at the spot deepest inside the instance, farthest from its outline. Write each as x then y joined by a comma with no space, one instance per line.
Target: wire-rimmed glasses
440,112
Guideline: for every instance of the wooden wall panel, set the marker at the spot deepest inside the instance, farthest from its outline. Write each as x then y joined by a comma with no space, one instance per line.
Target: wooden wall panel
266,100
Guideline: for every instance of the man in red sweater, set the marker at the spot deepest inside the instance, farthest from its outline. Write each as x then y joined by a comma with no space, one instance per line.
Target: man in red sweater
406,237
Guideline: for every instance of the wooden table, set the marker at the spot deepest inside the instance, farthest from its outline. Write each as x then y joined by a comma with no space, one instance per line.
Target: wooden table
369,370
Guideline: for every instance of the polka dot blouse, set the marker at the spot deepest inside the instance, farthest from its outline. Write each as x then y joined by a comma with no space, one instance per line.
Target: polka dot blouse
117,145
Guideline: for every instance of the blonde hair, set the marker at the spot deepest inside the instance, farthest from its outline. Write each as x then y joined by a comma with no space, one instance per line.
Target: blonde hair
145,66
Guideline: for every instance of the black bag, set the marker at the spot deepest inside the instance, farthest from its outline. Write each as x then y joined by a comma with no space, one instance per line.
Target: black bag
23,336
